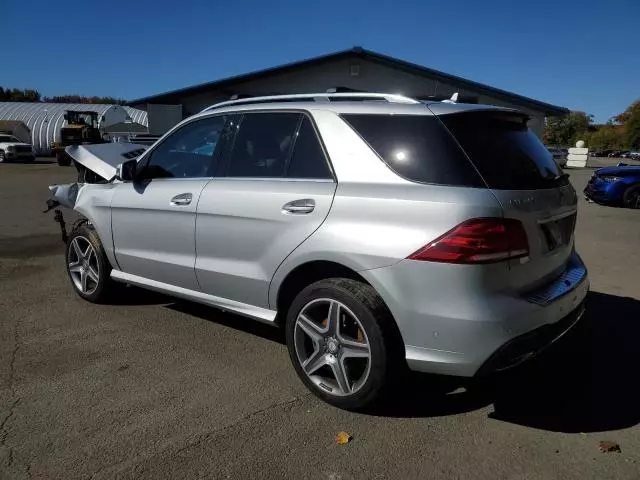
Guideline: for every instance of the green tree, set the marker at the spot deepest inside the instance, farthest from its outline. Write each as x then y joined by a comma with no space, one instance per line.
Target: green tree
606,136
83,99
32,95
566,130
18,95
630,121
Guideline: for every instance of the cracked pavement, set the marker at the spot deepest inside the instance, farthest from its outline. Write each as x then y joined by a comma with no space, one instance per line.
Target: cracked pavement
158,388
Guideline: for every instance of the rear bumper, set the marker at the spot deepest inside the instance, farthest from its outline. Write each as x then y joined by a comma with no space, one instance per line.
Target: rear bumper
527,346
454,323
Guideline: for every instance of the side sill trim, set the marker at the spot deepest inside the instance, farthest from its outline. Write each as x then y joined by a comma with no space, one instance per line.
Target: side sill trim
251,311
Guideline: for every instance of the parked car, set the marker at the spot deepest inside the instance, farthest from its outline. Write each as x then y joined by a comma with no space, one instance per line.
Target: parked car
600,153
634,155
379,234
618,153
559,156
618,185
12,149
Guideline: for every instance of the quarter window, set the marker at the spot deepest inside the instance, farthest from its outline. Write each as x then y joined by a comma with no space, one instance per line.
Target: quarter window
188,152
416,147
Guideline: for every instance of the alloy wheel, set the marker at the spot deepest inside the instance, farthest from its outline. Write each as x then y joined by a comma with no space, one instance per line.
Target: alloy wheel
332,347
83,265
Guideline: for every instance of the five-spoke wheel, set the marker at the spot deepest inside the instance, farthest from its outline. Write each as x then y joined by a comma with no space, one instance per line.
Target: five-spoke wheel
84,267
343,342
332,346
87,265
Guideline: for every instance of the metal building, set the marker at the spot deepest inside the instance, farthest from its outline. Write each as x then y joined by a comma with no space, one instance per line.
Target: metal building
356,69
46,119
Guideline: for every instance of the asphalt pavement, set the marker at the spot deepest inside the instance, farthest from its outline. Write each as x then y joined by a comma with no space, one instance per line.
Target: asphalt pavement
158,388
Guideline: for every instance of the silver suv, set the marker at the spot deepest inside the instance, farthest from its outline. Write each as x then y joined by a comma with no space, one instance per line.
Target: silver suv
379,231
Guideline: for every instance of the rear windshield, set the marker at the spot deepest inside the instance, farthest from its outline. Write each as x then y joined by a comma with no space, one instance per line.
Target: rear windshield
505,152
416,147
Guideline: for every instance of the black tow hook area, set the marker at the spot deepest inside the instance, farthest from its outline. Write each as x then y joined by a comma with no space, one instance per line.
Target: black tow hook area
58,217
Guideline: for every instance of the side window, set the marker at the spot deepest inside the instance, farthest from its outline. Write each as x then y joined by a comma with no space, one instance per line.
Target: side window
308,160
188,152
263,145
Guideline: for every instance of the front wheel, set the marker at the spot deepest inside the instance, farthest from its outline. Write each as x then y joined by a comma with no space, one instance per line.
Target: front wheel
342,342
87,265
64,160
631,197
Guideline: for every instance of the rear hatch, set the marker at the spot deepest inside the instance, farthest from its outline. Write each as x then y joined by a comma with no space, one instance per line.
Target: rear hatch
527,182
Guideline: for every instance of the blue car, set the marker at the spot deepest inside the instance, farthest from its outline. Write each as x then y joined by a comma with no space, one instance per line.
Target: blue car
615,186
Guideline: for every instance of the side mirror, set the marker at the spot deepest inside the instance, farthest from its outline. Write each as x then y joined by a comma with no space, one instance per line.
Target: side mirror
126,171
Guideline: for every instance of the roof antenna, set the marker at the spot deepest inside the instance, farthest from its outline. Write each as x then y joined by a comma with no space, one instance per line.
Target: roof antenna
453,99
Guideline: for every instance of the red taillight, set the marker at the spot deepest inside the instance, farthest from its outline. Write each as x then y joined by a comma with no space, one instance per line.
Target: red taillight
479,240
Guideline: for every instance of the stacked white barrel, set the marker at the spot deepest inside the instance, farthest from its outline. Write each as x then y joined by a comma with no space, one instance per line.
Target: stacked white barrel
577,157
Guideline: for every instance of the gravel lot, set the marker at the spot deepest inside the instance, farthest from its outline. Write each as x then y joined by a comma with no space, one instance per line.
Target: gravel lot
155,387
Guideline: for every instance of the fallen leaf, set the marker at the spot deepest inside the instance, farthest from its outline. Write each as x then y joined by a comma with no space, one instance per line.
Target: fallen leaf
342,438
607,447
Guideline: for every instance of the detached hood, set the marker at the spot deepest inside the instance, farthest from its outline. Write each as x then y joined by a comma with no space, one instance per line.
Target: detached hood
103,158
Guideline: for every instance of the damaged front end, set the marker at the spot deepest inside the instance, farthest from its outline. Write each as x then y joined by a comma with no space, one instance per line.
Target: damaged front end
97,167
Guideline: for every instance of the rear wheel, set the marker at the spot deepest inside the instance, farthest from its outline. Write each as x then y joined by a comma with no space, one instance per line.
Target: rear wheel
87,265
631,197
2,157
340,340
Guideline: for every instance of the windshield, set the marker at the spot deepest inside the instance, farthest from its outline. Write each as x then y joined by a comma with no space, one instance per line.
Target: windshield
506,153
77,118
9,138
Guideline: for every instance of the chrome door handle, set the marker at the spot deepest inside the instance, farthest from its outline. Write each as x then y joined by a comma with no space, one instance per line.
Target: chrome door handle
298,207
182,199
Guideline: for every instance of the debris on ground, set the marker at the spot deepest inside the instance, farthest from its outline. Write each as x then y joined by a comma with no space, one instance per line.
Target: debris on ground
607,447
342,438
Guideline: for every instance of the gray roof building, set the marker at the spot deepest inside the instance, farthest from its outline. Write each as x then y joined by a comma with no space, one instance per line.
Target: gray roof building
353,69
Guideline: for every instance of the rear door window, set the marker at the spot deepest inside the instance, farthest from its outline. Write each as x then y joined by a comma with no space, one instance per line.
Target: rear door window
263,145
308,159
506,153
416,147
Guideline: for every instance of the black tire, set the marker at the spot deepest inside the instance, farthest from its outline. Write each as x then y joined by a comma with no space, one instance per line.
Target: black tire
631,197
386,359
2,157
64,160
97,292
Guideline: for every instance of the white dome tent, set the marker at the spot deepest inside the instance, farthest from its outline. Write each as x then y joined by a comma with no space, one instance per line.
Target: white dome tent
46,119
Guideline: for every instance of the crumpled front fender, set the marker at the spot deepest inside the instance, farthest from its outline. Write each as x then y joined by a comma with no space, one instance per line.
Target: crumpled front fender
66,195
91,201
